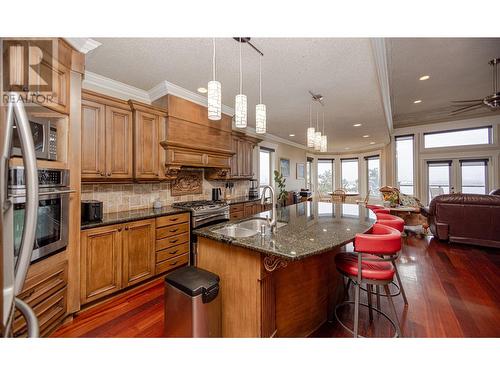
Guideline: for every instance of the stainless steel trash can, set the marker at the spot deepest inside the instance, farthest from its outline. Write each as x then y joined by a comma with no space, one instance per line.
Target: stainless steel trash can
192,303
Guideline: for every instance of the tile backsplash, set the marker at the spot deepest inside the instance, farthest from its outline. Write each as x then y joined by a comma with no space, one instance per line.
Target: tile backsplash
124,197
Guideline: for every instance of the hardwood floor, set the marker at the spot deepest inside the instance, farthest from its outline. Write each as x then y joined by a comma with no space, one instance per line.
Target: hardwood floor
452,292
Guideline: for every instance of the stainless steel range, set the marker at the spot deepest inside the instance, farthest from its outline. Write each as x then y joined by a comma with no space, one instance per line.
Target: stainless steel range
203,213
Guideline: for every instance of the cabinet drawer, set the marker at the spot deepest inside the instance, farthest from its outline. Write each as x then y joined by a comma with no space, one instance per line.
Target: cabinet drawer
172,252
172,263
165,243
237,215
237,207
40,287
171,230
172,219
47,312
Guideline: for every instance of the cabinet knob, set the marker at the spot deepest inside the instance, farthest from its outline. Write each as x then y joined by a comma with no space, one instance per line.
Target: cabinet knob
101,173
119,229
126,228
109,174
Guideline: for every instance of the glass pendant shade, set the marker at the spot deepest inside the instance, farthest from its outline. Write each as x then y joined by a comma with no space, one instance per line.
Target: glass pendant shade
240,111
324,142
260,118
214,100
311,136
317,141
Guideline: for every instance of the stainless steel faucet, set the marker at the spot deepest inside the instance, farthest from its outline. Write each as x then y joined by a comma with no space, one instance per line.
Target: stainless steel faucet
272,221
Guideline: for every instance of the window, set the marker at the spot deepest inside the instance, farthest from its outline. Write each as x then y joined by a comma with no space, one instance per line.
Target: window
325,175
350,175
404,164
373,174
265,169
465,137
474,176
309,173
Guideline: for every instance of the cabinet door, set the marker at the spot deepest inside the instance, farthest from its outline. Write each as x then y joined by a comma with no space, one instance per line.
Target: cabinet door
235,158
138,251
60,89
101,262
119,151
146,141
247,159
93,140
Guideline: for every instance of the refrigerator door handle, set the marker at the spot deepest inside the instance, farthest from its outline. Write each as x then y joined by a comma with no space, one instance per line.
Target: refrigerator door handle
31,206
30,316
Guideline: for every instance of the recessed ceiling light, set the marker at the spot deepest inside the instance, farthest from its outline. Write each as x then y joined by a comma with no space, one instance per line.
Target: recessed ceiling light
366,136
417,101
372,143
202,90
347,148
424,78
291,135
356,125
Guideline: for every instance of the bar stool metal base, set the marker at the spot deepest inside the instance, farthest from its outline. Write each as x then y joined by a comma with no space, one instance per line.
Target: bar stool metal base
394,326
382,293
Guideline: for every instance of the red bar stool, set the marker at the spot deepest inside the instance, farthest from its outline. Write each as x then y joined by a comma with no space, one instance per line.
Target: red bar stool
366,266
399,224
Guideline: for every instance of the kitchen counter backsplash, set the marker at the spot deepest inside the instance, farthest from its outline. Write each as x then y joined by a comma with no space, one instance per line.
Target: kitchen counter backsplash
124,197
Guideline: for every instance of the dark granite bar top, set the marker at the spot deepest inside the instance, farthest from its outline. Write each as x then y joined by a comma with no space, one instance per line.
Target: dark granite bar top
310,228
132,215
238,200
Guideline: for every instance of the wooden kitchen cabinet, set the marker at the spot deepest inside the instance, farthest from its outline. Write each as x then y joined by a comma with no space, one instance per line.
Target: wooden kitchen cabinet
107,123
149,130
93,140
138,251
242,160
101,262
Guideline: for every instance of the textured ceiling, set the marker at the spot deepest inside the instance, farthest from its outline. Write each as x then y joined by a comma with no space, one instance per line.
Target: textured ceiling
342,70
458,68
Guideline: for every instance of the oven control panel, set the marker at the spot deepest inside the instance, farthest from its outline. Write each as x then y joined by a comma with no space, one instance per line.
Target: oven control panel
46,178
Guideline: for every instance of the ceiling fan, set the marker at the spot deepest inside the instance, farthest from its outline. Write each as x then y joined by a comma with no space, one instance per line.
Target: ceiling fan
491,101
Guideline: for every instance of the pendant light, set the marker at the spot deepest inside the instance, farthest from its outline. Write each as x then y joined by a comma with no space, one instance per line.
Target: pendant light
324,140
260,109
240,105
317,135
311,132
214,93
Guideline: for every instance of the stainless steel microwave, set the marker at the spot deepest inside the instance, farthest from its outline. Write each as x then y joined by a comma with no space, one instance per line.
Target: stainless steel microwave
44,138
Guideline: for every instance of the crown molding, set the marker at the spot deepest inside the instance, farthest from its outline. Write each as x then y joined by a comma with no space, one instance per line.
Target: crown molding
382,66
96,82
169,88
83,45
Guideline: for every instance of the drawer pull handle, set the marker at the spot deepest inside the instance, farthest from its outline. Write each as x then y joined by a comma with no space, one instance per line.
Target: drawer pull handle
174,219
173,264
173,230
173,241
174,252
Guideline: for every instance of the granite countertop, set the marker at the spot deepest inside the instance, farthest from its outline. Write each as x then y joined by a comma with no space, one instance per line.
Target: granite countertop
310,228
132,215
237,200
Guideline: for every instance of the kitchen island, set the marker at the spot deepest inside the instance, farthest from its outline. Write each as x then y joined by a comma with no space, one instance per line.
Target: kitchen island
281,284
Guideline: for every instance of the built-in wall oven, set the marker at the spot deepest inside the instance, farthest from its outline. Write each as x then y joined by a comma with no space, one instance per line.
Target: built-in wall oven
44,139
53,210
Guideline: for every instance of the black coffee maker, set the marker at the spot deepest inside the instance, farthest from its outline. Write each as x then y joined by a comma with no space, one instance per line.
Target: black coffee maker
253,191
216,194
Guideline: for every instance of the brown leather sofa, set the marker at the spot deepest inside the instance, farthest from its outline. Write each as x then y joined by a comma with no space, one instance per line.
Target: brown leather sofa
466,218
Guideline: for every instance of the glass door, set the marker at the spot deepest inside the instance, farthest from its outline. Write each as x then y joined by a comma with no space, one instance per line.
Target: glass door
439,178
474,176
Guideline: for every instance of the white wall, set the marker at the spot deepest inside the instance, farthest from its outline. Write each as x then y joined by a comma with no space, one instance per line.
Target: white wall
421,155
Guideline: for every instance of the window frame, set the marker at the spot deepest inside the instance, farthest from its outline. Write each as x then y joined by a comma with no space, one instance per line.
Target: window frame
396,169
367,160
332,163
271,172
353,159
309,174
490,137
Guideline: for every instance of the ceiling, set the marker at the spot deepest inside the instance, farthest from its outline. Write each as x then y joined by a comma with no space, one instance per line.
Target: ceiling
342,70
458,70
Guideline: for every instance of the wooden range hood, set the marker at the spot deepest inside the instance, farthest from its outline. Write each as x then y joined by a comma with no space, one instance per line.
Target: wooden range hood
194,141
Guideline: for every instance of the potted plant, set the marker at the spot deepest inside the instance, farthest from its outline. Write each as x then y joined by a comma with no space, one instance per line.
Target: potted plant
280,184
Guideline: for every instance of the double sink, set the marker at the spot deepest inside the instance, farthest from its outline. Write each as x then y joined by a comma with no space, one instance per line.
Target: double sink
246,228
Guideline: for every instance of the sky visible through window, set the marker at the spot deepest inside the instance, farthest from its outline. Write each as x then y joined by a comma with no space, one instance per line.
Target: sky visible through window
404,158
350,175
480,136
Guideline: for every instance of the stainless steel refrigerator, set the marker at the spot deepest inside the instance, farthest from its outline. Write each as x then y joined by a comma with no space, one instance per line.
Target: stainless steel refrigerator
14,267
